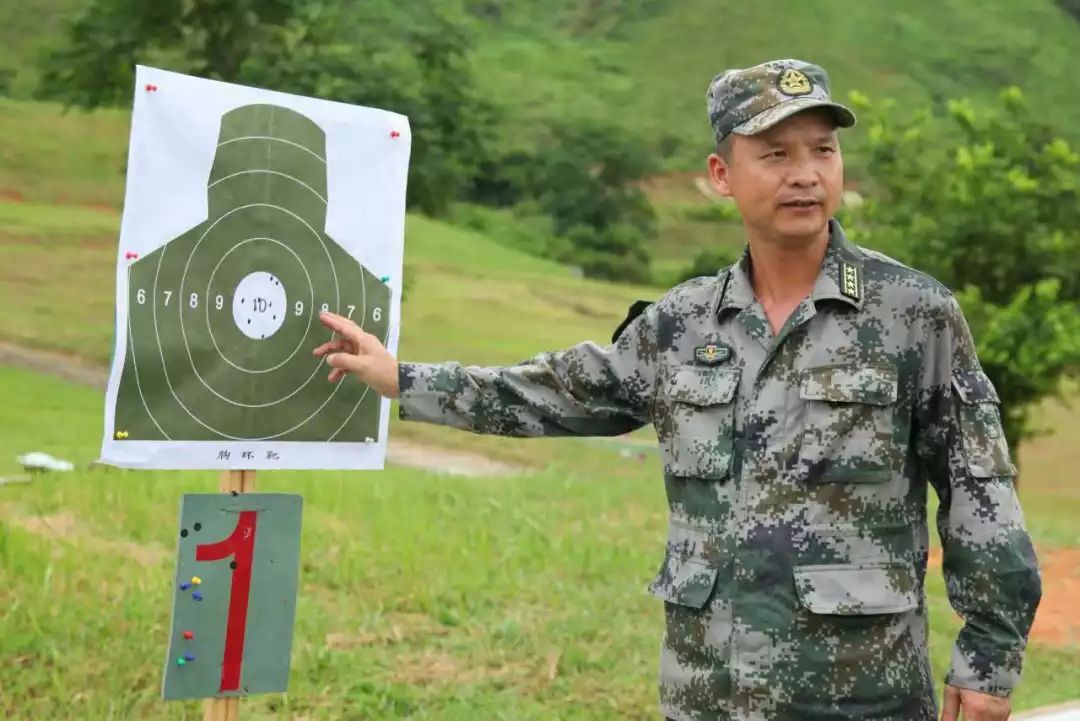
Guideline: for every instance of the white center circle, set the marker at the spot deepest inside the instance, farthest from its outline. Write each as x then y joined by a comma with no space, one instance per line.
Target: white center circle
258,305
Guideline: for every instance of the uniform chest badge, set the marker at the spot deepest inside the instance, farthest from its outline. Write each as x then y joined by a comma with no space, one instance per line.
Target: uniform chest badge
712,354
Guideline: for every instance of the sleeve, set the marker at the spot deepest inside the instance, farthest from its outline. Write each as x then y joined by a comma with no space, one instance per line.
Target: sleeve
586,390
991,573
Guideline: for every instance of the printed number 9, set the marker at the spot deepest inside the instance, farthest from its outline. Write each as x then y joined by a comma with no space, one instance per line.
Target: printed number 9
193,302
299,307
219,302
141,296
376,315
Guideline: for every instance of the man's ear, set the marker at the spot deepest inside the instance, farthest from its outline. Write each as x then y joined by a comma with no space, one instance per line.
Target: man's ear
719,175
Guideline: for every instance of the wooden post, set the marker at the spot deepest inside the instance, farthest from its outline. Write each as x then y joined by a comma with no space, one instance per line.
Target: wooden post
228,709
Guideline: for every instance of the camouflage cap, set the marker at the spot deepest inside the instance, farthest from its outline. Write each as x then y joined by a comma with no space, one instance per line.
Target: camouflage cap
748,100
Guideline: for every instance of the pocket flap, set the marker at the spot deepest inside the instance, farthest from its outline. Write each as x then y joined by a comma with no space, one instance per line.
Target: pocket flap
856,589
875,385
690,583
703,385
686,577
974,386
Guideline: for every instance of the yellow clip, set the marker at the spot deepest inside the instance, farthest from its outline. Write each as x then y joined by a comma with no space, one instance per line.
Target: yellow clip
121,435
196,580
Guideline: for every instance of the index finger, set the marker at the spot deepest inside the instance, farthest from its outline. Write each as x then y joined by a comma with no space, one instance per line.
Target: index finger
343,326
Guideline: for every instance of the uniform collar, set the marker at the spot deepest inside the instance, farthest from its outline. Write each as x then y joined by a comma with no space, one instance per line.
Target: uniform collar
840,277
841,274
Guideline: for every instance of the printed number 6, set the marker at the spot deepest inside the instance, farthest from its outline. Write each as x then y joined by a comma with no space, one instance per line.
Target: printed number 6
141,296
376,315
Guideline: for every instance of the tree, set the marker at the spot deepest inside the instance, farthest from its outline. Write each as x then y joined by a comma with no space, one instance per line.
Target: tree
988,202
412,61
586,177
211,38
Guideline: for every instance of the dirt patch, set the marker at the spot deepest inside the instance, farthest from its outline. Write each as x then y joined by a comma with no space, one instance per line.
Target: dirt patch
54,364
391,629
63,527
10,195
1056,622
444,460
432,667
400,452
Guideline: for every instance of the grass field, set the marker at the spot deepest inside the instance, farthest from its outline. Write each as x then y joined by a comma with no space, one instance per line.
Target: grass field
422,596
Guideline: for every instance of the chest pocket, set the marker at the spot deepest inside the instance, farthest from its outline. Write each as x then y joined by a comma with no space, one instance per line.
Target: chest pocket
985,450
698,438
848,427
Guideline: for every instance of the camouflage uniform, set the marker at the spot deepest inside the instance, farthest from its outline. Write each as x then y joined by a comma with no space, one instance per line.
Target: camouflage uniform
796,470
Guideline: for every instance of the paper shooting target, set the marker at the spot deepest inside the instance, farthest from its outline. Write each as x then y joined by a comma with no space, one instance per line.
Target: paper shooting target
222,319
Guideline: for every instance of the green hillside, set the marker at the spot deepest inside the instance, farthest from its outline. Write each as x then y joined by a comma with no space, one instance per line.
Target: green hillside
646,63
516,597
650,70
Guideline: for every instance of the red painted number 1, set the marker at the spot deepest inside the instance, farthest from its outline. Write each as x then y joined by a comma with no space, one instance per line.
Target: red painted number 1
241,545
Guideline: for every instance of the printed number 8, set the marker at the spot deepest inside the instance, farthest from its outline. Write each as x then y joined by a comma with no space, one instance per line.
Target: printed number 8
194,301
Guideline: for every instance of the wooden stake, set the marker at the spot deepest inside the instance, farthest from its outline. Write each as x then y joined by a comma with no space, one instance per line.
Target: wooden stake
228,709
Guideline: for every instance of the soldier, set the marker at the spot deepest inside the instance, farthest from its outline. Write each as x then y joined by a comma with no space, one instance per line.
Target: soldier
803,399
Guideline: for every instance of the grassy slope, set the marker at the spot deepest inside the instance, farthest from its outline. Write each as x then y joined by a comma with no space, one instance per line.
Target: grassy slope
651,73
422,597
645,64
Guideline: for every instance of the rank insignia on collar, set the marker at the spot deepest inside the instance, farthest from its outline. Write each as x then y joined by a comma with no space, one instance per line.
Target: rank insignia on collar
712,354
850,282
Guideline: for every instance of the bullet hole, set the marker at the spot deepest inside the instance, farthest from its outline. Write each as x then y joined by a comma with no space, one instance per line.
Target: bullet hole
183,533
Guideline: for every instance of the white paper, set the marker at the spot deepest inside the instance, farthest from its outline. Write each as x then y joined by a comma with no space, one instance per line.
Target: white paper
240,201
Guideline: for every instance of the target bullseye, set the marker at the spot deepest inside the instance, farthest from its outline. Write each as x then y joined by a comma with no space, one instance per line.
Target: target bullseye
258,305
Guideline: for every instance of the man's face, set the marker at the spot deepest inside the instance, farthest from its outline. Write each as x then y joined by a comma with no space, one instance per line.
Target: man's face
786,181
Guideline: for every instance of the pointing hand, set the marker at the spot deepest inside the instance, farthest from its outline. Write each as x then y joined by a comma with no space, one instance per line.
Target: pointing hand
359,353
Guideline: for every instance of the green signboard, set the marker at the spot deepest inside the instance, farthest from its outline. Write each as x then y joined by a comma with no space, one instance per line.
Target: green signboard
234,600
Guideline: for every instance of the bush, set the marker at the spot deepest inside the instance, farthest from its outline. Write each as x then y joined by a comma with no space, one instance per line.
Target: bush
585,179
710,261
988,202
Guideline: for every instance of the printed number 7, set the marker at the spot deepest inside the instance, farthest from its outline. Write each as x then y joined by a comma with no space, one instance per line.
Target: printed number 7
241,545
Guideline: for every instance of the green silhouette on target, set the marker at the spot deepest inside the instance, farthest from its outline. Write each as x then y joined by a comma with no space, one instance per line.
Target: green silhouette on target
222,319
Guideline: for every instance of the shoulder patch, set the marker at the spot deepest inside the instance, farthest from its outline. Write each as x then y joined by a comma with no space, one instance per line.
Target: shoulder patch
637,308
850,281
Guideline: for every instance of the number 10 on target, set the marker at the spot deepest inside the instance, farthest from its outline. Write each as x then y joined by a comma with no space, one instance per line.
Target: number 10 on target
234,595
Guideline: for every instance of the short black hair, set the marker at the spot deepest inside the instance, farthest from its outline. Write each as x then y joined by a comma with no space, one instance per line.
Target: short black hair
724,149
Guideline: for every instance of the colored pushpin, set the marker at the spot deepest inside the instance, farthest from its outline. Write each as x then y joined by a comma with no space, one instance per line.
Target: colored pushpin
188,635
197,596
150,88
181,661
385,279
394,134
131,255
190,658
196,580
185,586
